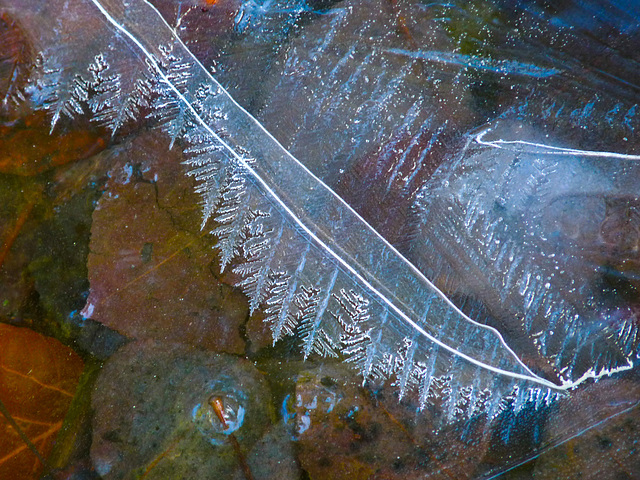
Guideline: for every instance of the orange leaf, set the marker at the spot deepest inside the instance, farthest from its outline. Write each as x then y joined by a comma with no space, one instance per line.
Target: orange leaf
27,148
38,378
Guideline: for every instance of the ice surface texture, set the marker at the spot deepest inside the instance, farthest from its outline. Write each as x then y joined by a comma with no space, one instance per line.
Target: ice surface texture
320,271
513,224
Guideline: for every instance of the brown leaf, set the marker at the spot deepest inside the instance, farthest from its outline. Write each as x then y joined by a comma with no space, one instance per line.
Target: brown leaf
27,148
344,432
38,378
152,271
16,58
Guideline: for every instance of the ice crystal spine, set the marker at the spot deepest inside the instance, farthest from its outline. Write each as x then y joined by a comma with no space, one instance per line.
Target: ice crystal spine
318,270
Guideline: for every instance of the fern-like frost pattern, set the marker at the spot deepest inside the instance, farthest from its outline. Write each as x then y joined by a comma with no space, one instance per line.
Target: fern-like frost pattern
60,91
118,98
316,268
497,238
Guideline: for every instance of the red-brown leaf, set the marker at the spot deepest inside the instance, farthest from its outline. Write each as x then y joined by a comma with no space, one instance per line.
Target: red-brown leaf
38,378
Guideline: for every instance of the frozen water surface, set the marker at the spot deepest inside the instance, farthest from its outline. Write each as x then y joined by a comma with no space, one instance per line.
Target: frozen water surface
464,222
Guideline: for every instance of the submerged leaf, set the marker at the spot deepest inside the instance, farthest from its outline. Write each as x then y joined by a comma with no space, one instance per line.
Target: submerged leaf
345,433
152,273
38,378
26,148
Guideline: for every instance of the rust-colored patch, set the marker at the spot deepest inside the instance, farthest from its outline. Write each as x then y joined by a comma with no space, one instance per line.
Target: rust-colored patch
38,378
27,147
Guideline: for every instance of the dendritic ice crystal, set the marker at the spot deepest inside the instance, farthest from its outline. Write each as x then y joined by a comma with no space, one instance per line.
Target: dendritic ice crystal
480,312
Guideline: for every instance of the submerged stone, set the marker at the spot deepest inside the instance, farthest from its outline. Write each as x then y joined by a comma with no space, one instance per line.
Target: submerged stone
153,416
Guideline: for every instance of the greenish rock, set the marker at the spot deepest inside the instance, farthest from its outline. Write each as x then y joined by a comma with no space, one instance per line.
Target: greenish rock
152,416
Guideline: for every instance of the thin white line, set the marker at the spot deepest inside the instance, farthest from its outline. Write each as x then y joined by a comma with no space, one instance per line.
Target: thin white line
532,377
550,150
551,447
